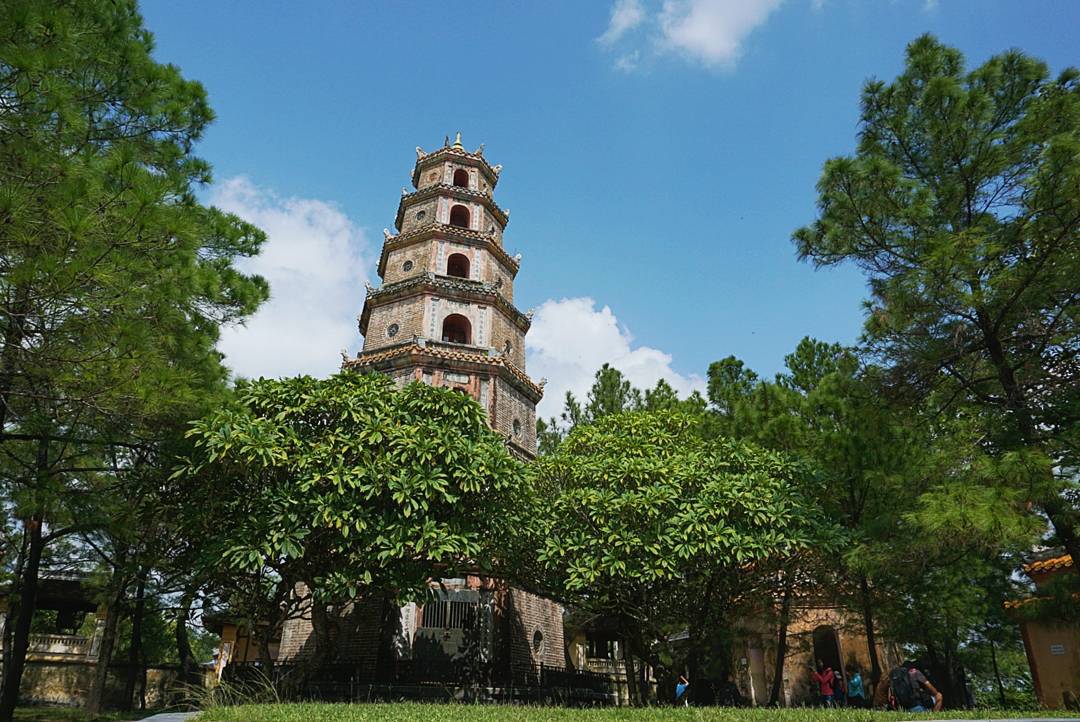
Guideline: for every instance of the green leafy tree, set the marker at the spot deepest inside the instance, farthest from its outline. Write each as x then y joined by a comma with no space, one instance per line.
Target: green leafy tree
962,204
910,488
352,487
114,280
648,523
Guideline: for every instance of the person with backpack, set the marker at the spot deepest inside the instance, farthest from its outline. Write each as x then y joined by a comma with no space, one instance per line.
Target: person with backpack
911,691
826,681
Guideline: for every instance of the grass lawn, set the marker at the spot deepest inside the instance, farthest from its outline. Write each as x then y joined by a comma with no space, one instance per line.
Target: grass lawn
408,712
73,714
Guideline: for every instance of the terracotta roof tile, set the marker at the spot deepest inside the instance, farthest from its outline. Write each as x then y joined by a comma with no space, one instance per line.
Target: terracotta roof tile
411,348
1048,565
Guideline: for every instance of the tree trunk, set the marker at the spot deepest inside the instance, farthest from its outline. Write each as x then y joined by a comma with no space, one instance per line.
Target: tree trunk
136,659
96,699
13,600
781,647
183,646
631,676
693,666
956,698
871,637
9,697
266,660
20,642
323,635
997,675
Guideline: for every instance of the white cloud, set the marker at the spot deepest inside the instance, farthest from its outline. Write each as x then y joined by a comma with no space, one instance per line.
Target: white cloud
625,16
712,31
316,260
628,63
570,340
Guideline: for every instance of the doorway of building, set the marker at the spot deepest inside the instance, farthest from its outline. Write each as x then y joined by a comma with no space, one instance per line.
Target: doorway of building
827,649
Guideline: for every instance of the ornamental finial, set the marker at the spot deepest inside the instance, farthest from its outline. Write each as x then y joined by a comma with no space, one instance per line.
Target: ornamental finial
542,384
517,258
480,150
387,235
446,141
420,153
457,142
344,356
529,314
368,286
497,168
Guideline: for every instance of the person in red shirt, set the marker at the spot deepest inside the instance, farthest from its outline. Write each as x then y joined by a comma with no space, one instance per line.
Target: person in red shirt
826,680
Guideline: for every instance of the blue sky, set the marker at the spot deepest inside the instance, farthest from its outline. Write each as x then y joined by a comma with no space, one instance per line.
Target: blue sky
657,157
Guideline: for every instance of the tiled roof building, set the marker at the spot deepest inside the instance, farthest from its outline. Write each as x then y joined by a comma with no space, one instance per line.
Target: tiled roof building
1052,643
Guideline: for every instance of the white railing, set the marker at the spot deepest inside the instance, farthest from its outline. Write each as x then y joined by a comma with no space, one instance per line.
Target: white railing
604,665
66,644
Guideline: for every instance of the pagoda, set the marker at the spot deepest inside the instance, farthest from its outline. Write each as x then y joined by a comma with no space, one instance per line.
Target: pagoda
445,314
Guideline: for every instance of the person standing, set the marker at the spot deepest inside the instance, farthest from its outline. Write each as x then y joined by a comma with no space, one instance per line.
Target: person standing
856,695
826,681
680,691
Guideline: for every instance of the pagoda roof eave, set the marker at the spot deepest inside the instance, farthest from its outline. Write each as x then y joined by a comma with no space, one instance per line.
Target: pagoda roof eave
428,159
450,233
446,286
452,191
419,351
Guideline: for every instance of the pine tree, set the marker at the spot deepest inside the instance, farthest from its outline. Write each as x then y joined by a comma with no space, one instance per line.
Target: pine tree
962,204
114,280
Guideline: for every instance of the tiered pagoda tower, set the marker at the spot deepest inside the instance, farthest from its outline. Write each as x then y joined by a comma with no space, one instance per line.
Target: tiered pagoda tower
444,314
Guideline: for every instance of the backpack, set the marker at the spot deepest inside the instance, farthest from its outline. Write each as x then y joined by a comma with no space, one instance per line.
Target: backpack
903,689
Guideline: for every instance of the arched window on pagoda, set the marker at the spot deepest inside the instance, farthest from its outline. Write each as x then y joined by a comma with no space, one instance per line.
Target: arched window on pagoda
461,178
459,216
457,265
456,329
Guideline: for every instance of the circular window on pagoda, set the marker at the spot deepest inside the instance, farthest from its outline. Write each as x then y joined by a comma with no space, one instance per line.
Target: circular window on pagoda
420,215
407,266
517,428
392,330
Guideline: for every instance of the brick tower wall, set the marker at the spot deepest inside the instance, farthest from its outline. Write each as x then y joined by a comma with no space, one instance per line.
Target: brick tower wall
525,615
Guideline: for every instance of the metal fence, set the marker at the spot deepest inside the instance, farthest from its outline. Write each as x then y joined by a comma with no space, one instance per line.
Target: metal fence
430,680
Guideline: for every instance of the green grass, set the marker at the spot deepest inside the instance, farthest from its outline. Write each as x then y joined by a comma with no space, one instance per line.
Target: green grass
408,712
73,714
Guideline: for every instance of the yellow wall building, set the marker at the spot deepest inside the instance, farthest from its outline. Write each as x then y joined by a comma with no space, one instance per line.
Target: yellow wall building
1053,648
